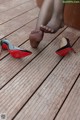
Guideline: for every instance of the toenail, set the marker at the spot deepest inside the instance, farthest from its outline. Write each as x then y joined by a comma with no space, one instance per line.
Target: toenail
49,29
41,25
46,28
52,30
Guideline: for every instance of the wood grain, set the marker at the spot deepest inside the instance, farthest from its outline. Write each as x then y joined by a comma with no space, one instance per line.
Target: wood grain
17,11
10,4
17,92
71,108
16,23
47,100
34,88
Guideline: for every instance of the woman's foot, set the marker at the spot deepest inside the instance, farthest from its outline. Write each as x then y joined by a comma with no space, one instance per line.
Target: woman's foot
35,38
53,26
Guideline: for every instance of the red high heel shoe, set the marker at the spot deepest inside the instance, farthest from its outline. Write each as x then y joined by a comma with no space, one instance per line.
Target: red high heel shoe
15,52
64,50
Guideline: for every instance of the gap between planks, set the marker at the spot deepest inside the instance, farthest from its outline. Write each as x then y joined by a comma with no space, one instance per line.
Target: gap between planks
11,5
9,60
71,108
29,88
13,13
49,97
16,23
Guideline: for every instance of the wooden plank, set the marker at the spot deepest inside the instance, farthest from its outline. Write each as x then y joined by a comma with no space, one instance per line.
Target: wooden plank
16,93
18,22
49,97
11,4
20,64
8,15
71,108
21,35
78,48
2,1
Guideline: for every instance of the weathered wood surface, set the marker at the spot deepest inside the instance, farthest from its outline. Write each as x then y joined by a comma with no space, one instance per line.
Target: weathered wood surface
36,86
71,108
49,97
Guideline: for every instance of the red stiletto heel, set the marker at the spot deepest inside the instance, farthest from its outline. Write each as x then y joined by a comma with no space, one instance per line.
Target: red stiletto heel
63,51
15,52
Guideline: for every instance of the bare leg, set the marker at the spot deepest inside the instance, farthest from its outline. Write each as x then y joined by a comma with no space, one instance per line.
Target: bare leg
56,21
44,17
45,13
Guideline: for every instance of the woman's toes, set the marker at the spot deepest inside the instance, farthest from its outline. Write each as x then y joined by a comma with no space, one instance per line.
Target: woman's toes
42,26
49,29
46,28
52,31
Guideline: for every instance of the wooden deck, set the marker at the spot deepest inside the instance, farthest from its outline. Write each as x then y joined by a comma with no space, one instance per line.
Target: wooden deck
42,86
